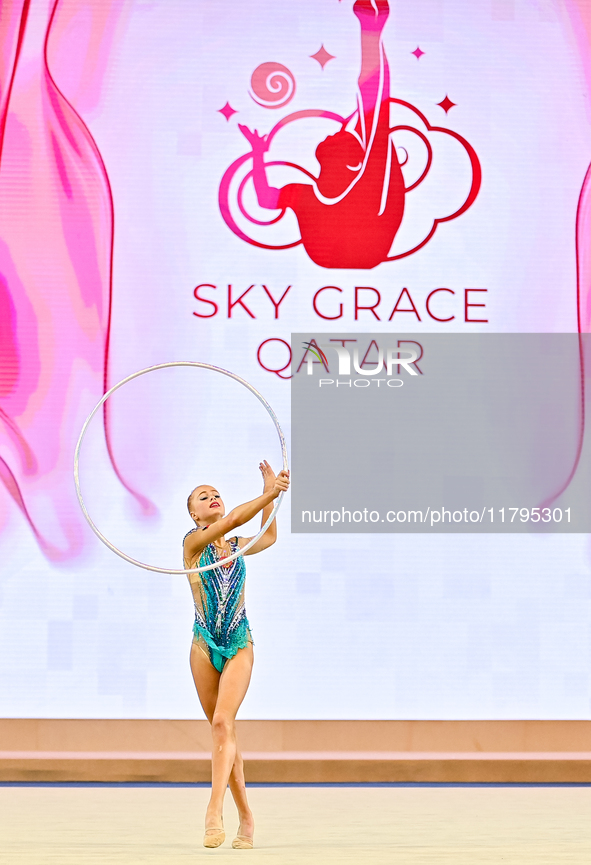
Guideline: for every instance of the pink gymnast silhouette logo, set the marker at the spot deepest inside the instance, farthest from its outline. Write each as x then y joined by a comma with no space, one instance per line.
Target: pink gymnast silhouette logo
351,214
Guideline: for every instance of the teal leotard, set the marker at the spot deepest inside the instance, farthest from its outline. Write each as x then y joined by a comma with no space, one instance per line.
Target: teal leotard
221,627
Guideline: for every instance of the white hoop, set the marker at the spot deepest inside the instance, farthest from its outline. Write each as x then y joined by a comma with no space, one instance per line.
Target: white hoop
115,387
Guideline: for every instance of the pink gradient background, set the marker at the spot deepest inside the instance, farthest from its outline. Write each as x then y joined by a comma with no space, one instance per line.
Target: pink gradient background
56,226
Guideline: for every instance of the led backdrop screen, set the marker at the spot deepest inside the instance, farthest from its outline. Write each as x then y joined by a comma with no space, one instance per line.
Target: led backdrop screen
195,180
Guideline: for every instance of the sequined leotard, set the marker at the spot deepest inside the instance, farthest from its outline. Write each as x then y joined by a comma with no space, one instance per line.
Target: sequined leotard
221,627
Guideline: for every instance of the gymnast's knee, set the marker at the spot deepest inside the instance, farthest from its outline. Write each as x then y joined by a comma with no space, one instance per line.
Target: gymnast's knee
222,725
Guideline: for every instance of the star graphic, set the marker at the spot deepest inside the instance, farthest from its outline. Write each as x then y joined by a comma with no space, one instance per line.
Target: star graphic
446,103
417,53
322,56
227,111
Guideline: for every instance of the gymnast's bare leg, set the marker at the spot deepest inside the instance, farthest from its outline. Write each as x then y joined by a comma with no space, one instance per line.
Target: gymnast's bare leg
221,696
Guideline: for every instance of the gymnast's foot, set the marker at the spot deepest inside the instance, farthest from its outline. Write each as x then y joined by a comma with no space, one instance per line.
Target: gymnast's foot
244,836
214,831
372,14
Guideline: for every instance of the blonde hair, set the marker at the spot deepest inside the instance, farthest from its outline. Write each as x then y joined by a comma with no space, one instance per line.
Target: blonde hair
191,494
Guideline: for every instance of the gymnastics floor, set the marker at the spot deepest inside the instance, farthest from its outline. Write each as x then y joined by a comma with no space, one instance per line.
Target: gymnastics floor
411,824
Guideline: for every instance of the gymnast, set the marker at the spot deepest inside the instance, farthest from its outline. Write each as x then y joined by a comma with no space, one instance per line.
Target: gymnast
221,652
350,216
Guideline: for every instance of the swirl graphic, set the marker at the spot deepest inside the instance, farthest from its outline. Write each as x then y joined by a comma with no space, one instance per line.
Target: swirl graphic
272,85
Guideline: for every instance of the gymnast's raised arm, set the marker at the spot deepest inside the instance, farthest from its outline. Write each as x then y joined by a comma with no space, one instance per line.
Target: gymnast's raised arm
374,79
197,541
270,536
267,196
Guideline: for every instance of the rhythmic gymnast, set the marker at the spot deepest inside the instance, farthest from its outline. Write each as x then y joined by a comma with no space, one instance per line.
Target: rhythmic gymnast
350,216
222,653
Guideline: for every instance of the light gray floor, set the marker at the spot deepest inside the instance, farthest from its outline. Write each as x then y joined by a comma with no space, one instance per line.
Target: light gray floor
458,825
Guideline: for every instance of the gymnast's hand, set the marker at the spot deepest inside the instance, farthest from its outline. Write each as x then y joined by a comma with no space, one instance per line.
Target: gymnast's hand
372,14
274,483
257,142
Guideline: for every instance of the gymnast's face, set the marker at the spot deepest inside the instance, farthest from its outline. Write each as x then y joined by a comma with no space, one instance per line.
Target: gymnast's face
340,152
340,157
206,505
